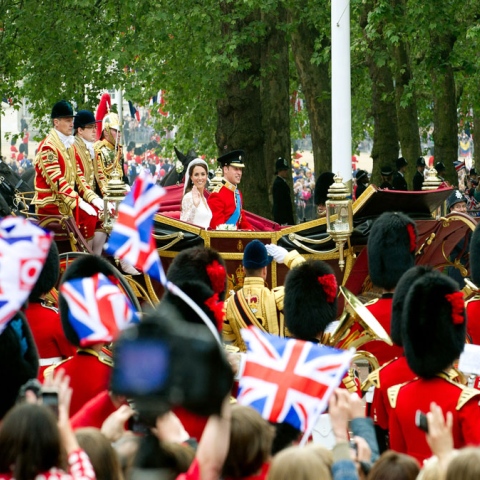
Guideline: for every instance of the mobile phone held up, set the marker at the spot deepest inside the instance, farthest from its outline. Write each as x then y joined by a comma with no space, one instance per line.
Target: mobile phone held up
50,399
421,421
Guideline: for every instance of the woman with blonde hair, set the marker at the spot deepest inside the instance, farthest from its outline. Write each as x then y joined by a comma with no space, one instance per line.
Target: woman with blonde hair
312,462
194,204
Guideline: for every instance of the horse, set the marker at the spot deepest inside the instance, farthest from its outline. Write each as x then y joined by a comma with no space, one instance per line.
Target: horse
10,184
176,174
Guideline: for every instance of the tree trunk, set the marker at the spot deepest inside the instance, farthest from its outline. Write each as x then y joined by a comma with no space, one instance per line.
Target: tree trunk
239,125
385,134
315,81
274,92
408,130
476,138
445,133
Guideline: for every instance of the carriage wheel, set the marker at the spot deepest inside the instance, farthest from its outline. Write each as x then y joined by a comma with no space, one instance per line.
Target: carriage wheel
67,258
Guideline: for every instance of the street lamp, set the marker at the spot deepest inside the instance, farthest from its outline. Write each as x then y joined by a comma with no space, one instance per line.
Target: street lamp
115,193
339,215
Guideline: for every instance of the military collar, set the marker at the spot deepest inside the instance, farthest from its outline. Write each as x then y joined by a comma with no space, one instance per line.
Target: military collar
229,185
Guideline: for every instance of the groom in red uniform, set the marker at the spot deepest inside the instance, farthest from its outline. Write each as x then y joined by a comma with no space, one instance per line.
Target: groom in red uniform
226,201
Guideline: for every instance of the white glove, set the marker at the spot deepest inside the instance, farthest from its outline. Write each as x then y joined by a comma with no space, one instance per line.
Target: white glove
98,202
278,253
87,208
111,207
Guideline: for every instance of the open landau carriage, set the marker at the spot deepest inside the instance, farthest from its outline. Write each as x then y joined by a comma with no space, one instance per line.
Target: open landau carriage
437,238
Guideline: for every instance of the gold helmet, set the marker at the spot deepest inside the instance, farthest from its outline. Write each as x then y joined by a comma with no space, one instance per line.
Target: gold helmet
110,120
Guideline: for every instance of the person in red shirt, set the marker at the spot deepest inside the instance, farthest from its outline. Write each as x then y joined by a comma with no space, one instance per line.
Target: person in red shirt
473,304
391,252
226,201
90,368
44,319
434,329
397,370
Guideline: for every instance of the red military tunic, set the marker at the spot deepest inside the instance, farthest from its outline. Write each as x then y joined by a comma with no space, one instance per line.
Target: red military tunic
47,331
222,204
473,319
406,399
381,309
57,180
89,374
393,373
94,412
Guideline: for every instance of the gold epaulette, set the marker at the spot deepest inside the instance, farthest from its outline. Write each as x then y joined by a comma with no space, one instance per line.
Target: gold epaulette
217,188
475,298
102,357
371,302
467,394
50,369
393,394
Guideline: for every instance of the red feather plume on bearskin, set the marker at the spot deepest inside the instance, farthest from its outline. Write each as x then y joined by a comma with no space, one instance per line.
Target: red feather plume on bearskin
102,109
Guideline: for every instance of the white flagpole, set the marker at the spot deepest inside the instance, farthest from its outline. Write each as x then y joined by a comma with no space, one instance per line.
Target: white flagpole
341,93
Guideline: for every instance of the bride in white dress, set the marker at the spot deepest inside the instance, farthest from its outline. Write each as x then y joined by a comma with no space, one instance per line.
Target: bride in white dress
194,204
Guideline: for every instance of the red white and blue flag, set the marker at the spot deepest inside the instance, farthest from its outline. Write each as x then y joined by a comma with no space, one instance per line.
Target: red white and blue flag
23,249
97,309
288,380
131,238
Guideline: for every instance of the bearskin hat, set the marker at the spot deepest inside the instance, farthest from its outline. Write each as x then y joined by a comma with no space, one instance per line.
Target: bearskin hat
18,360
323,183
398,302
391,248
203,296
433,324
85,266
48,276
310,302
475,256
202,264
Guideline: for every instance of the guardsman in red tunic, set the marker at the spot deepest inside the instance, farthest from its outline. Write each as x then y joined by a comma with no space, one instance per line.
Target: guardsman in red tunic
91,367
310,305
434,328
473,304
44,319
226,201
201,273
391,252
60,187
397,370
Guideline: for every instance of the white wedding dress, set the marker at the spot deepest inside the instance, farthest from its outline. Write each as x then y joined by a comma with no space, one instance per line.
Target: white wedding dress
200,215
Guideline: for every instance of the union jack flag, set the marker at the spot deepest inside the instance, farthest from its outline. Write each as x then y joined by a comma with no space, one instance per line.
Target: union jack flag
97,309
131,238
288,380
23,249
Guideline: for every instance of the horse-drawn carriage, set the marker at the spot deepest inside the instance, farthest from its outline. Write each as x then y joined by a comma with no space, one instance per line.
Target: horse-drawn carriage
437,236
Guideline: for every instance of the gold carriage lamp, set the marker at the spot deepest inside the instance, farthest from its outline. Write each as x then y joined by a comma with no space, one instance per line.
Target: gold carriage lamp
339,215
115,193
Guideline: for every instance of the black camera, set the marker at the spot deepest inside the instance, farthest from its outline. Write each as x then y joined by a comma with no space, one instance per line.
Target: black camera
164,361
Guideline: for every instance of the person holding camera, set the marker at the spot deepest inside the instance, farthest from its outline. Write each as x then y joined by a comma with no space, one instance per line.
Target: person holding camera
33,439
434,310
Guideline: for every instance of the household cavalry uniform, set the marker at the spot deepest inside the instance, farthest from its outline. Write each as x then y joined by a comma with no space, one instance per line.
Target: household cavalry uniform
255,304
108,155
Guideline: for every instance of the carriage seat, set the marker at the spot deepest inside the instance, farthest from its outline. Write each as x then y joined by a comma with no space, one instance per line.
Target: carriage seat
67,234
172,214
